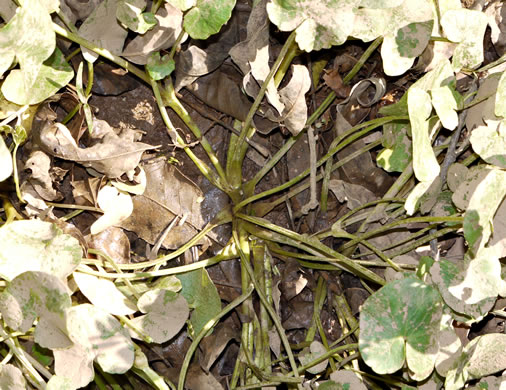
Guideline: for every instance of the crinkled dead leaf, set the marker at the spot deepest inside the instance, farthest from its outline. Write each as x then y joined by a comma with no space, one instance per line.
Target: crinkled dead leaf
109,153
104,294
168,194
166,313
103,29
496,12
113,242
117,207
41,245
162,36
354,195
293,97
214,344
347,378
39,165
97,336
38,295
252,56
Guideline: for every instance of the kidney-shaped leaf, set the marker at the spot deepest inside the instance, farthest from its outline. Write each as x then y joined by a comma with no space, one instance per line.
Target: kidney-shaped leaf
167,313
11,378
401,322
481,357
40,295
466,27
490,142
482,207
202,296
37,246
471,286
96,335
318,24
207,17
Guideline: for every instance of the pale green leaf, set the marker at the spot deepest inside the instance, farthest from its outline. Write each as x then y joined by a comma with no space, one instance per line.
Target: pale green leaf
59,383
490,143
318,24
471,286
5,161
201,295
183,5
500,97
207,17
104,294
400,323
413,200
41,245
130,13
167,313
53,74
33,295
445,105
160,67
315,350
425,165
467,28
483,204
397,153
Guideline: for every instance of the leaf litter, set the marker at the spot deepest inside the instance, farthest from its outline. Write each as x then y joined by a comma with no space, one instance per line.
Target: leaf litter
162,247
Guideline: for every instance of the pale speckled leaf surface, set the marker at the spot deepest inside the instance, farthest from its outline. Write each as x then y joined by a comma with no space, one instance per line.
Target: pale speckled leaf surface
33,295
425,165
467,27
166,313
35,245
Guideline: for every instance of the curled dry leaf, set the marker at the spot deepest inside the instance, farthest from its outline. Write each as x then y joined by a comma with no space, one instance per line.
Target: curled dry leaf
162,36
168,194
294,114
102,28
39,165
114,243
109,153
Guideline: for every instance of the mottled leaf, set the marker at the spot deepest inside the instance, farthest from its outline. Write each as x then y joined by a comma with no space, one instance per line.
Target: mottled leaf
398,323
